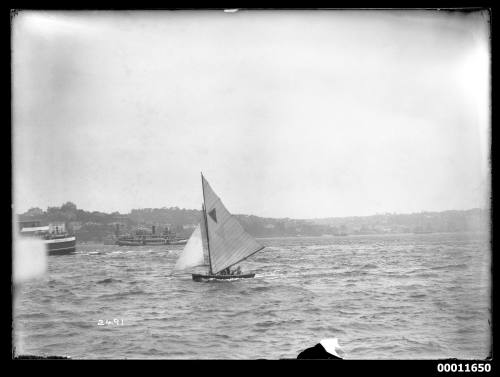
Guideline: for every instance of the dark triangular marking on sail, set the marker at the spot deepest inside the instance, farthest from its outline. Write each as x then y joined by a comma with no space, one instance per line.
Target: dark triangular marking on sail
213,215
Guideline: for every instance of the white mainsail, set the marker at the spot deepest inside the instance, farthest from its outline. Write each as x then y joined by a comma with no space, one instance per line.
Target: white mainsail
228,242
192,255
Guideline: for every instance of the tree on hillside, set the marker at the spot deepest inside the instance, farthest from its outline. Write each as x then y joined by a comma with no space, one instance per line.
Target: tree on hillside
68,207
69,211
35,212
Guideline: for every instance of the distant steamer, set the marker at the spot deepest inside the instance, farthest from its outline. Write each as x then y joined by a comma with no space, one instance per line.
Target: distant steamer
150,239
54,235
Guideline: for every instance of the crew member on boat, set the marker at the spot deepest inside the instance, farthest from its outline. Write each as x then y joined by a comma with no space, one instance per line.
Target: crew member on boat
227,271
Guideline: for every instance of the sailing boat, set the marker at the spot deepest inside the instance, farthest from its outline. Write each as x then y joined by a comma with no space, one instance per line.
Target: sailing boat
219,241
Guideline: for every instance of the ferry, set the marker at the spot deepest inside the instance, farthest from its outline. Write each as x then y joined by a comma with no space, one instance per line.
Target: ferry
54,235
150,239
141,240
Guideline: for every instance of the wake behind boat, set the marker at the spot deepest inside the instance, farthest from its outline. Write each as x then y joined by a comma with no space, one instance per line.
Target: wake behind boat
219,242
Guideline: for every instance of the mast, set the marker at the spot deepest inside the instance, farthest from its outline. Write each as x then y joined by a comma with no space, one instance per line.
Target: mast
206,224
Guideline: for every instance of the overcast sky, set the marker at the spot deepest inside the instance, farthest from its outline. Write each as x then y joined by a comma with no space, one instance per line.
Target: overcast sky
298,114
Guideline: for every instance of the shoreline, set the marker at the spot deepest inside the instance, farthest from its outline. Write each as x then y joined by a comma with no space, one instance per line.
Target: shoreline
325,236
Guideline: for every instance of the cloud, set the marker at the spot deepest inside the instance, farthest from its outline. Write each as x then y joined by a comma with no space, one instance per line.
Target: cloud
336,112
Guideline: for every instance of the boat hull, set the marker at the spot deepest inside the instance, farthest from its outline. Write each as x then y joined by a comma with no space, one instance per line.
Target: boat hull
148,242
183,242
155,243
200,277
61,246
129,243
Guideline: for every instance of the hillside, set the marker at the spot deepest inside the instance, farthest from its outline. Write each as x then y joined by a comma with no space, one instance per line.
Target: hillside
96,226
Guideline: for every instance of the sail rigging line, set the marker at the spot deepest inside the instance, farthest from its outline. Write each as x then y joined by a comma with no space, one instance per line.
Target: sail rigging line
246,257
206,223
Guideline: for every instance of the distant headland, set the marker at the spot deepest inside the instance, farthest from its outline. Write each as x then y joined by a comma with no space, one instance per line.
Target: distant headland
97,226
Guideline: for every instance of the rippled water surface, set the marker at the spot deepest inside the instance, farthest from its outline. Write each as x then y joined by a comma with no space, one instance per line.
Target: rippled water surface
382,296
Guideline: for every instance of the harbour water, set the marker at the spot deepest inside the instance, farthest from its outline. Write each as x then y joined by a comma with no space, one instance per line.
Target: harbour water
411,296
